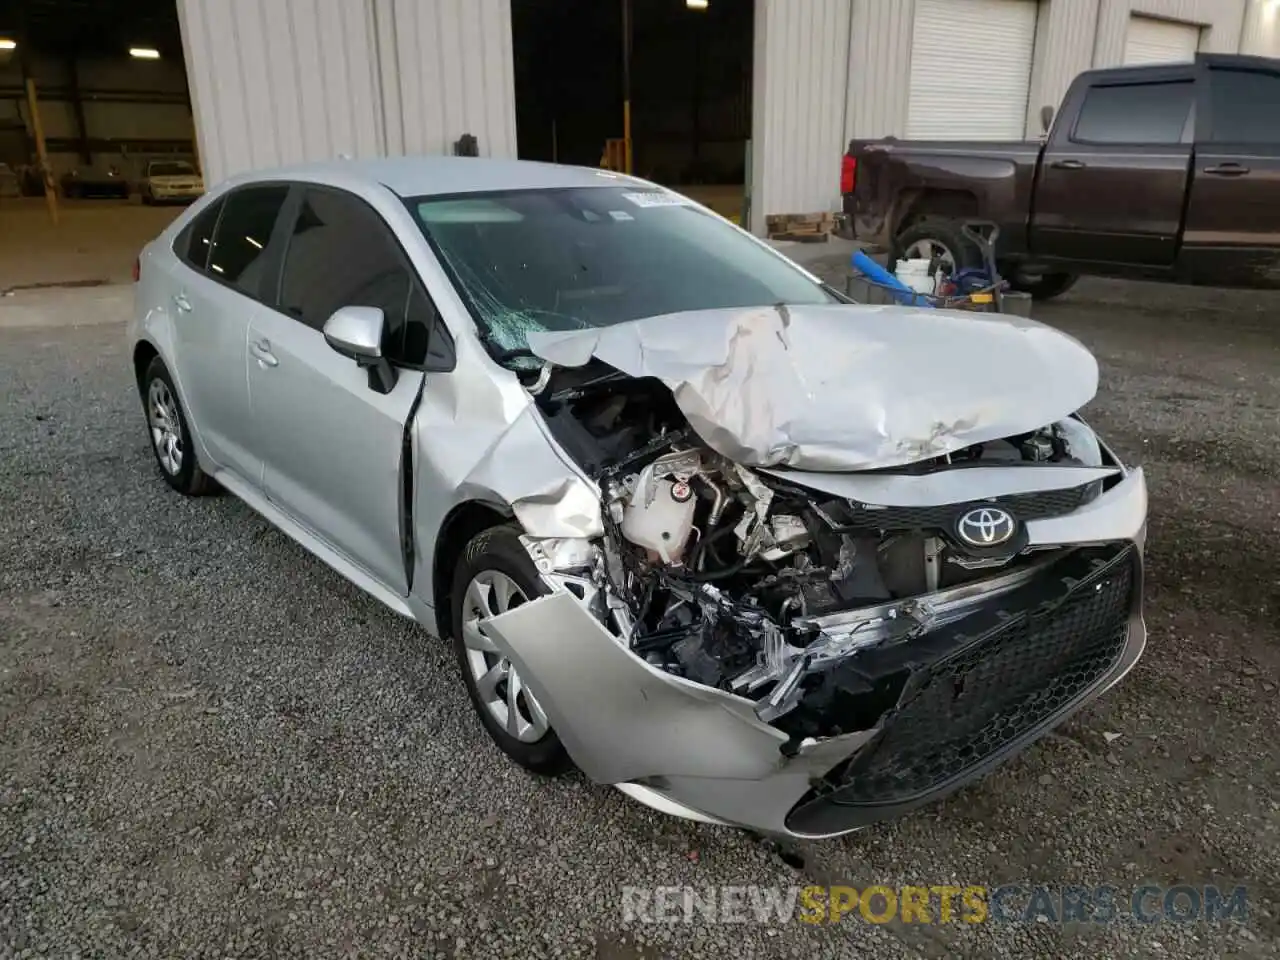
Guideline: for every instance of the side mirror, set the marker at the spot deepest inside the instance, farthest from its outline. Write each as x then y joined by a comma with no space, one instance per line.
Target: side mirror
356,332
1046,118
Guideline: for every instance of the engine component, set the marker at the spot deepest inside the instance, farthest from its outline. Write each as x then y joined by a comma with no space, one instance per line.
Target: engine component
789,535
659,518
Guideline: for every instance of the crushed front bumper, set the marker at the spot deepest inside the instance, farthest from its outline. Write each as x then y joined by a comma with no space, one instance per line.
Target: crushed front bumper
917,719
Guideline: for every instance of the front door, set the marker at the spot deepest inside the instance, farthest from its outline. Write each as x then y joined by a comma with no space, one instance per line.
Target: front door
1232,235
331,445
1112,182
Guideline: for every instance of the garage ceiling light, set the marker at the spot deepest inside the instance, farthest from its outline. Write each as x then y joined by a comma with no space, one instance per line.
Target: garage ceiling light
7,44
696,4
144,53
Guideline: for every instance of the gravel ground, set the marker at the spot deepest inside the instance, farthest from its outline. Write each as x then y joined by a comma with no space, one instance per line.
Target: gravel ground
212,746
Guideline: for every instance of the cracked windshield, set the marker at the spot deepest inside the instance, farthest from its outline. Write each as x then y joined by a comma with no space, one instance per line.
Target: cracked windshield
569,259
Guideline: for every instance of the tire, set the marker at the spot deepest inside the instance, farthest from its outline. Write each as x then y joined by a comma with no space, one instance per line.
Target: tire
1043,286
493,555
939,231
167,423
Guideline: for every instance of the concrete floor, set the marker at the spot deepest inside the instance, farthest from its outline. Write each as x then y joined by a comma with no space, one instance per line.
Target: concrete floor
94,241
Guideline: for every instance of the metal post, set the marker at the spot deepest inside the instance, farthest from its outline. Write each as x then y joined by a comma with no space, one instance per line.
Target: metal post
37,130
626,83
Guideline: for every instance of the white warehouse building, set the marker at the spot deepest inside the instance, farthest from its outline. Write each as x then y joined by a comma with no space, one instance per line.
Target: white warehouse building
279,81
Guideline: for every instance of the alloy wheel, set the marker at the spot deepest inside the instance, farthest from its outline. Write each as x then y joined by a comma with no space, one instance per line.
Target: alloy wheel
166,431
503,693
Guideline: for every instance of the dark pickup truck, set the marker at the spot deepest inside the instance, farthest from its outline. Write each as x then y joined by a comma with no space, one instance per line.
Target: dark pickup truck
1167,172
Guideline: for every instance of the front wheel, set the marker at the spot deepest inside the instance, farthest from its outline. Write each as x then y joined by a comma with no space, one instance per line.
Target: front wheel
1043,286
494,576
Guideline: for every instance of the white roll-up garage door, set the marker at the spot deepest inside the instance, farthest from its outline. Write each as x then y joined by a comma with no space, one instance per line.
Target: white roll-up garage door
1160,41
970,69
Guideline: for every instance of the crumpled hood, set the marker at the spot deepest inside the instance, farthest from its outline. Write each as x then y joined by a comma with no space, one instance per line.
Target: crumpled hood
844,387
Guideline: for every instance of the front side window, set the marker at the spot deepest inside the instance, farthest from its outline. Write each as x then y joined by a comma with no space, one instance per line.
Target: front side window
1245,106
243,234
1135,113
569,259
343,254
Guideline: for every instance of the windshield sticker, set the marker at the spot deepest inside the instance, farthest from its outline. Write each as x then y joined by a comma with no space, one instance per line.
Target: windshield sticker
620,215
656,198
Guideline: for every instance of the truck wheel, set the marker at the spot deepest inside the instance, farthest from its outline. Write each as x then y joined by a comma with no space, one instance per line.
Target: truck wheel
1043,286
932,237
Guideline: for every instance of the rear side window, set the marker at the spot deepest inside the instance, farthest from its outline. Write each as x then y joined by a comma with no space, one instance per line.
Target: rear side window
1245,106
242,237
195,239
343,254
1135,113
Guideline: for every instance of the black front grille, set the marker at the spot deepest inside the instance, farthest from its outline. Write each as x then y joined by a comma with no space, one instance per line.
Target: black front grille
1024,506
967,706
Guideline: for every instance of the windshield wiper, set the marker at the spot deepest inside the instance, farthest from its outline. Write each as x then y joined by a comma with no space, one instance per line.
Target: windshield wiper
504,354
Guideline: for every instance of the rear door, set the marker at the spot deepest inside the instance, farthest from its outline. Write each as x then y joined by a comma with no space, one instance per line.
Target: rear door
1114,174
330,444
214,295
1232,233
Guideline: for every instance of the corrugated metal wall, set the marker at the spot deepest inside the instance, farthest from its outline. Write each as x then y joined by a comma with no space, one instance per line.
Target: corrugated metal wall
1260,34
1071,36
1064,48
283,81
447,70
1220,21
879,68
801,81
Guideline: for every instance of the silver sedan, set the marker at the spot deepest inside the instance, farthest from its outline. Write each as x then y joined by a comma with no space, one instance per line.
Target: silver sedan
692,521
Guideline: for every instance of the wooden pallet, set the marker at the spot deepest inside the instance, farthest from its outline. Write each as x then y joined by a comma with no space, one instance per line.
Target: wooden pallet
801,227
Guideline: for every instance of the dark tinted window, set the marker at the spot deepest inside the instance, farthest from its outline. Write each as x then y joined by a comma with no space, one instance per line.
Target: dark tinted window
243,234
193,243
1246,106
1136,113
342,254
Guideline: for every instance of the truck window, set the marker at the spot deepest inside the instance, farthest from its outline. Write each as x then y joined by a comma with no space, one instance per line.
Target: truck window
1137,113
1245,105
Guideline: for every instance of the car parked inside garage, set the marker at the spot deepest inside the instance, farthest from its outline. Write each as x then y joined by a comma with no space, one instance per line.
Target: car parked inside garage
693,521
170,181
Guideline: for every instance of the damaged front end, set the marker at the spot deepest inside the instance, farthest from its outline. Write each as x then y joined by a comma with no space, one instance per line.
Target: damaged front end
806,653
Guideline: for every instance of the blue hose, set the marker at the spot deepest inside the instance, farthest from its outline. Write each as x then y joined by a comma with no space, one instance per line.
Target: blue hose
879,275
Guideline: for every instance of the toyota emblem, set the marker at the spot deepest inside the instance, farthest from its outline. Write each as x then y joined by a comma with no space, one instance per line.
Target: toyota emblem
986,527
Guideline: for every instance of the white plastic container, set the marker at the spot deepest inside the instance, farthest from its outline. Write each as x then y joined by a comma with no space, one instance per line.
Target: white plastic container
664,523
915,274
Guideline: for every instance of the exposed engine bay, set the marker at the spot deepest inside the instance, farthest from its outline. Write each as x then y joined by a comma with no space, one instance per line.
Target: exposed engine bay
726,575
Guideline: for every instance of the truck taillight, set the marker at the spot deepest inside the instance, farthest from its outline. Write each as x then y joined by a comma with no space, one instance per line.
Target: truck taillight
137,268
848,171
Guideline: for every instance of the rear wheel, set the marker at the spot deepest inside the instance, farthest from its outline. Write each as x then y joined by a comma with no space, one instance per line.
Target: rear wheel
936,237
170,437
1043,286
494,576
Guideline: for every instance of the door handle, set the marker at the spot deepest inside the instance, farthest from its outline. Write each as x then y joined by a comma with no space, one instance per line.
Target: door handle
262,350
181,302
1227,170
1067,164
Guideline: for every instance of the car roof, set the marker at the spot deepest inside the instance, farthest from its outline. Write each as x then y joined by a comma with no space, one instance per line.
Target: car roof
444,175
